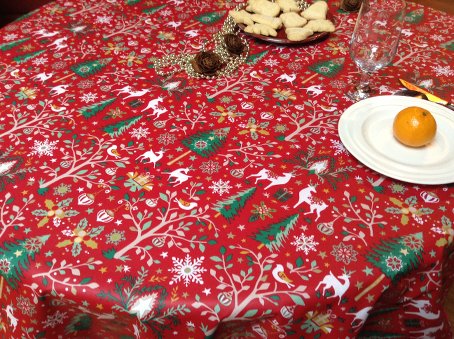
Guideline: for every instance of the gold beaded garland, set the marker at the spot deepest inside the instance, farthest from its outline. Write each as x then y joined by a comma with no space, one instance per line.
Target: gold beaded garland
182,62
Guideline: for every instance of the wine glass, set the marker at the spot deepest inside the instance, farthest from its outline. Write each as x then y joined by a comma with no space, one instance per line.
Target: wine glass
375,39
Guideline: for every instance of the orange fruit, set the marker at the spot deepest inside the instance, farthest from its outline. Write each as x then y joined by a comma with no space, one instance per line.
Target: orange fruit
414,126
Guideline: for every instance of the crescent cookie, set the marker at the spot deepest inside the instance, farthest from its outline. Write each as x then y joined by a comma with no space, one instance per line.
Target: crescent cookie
288,6
316,11
260,29
263,7
321,25
271,21
241,17
292,19
298,33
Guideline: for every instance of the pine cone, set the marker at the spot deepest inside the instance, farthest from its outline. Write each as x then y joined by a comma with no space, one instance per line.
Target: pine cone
207,63
233,44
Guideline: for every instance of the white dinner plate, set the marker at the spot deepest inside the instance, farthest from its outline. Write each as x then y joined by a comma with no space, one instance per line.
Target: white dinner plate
365,129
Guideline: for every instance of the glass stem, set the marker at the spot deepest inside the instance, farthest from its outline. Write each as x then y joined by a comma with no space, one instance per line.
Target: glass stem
364,81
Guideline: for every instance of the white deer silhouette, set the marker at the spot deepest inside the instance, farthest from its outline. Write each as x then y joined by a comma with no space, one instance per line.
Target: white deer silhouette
59,43
423,306
42,33
126,89
57,90
314,90
286,77
274,180
136,94
330,281
315,205
180,175
192,33
150,156
361,315
174,24
428,332
43,76
154,105
305,195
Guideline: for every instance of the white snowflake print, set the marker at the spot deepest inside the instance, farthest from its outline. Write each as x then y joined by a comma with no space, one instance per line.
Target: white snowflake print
89,97
39,61
103,19
43,148
304,243
271,62
55,319
220,187
443,70
139,133
338,147
9,37
187,270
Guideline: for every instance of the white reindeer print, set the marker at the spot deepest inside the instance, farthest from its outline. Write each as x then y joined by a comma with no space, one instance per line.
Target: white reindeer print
136,94
423,307
287,78
361,315
42,33
57,90
180,175
315,205
43,76
429,332
314,90
154,105
192,33
132,94
150,156
330,281
174,24
305,195
59,43
274,180
126,89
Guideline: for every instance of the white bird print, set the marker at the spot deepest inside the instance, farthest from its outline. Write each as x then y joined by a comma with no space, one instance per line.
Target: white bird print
280,276
15,73
56,108
112,150
255,75
185,205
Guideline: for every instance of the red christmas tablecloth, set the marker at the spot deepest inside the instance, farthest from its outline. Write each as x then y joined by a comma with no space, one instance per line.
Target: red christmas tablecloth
138,205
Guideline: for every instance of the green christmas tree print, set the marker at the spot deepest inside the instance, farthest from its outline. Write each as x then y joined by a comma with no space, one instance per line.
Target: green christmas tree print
87,68
210,17
395,257
275,234
8,45
253,59
204,143
16,257
152,10
448,45
327,68
25,57
229,208
415,17
92,110
120,127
